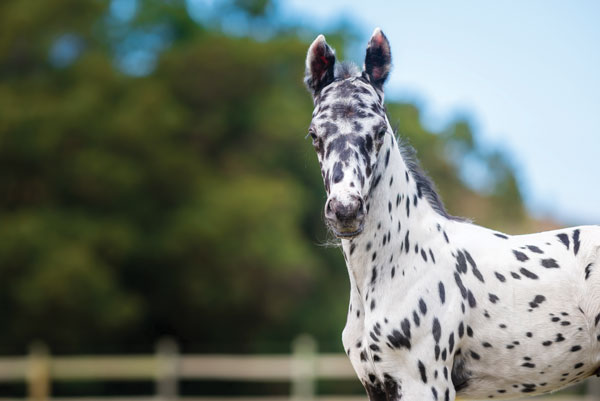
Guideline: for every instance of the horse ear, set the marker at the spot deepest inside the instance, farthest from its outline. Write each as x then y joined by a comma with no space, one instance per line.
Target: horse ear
378,59
320,62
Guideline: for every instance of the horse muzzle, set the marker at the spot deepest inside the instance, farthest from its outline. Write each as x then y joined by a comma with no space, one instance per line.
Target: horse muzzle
345,218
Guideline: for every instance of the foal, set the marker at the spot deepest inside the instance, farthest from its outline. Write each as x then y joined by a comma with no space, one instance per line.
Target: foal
440,307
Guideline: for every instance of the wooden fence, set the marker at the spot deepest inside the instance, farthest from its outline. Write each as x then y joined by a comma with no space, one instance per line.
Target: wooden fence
167,367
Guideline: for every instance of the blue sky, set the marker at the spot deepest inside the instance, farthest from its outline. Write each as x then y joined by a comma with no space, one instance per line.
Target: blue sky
526,73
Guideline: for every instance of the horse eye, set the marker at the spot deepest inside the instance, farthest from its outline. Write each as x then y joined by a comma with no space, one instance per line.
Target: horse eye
381,133
312,135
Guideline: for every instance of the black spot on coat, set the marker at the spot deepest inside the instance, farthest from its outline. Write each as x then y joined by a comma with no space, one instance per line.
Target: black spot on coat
338,173
422,306
442,292
398,340
521,257
471,298
463,290
534,249
476,271
423,372
576,242
405,325
436,330
528,274
550,263
564,238
461,264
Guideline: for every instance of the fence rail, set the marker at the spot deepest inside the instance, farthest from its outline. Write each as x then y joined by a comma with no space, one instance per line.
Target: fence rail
166,367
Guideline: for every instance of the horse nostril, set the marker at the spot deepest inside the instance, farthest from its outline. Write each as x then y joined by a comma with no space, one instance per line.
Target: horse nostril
360,211
328,207
359,202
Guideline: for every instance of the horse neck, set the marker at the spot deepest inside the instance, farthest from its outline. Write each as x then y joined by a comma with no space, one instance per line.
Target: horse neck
400,221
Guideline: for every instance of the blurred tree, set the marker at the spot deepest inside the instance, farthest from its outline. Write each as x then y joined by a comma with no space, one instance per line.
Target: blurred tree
253,8
155,181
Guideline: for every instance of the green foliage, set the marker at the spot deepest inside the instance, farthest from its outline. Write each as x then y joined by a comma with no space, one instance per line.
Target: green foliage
183,203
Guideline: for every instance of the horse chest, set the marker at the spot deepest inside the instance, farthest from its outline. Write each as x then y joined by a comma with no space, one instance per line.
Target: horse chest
393,322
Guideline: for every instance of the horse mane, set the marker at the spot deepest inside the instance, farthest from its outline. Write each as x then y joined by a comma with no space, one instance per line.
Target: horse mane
346,69
425,185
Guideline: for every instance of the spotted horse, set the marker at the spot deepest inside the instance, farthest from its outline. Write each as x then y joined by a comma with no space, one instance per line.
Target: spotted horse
441,307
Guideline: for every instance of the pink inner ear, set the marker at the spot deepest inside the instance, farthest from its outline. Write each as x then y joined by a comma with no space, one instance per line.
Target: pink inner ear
378,39
320,62
380,42
318,51
377,72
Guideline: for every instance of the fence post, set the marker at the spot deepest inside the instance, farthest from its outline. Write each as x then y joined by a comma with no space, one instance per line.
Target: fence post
167,367
303,368
38,372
